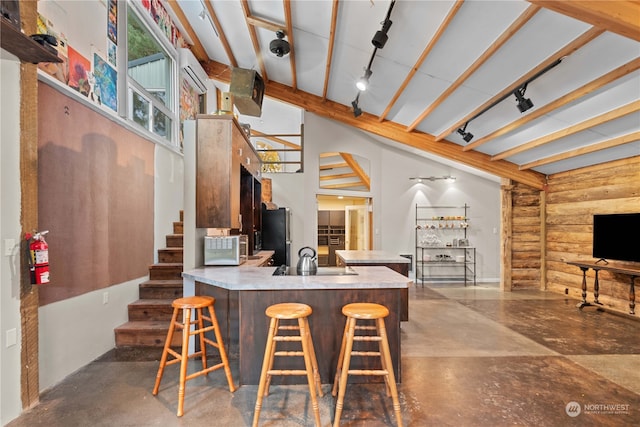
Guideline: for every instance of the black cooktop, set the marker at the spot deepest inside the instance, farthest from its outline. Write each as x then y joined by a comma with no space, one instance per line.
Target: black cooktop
283,270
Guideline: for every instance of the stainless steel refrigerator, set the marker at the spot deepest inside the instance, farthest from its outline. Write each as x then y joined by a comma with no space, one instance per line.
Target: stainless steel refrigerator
276,234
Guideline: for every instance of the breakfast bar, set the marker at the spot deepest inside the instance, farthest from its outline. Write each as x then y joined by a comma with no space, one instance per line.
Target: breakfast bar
380,258
243,293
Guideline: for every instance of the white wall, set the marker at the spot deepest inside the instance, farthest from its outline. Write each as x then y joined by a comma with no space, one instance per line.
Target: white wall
394,195
10,403
168,200
67,344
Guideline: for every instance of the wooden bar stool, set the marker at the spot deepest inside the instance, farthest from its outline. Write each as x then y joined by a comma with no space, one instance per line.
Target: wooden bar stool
289,311
188,305
364,311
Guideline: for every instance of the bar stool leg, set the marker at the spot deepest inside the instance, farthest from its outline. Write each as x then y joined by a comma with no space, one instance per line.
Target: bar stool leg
221,349
314,361
304,334
272,352
391,380
349,333
383,360
203,348
266,365
165,352
334,390
185,359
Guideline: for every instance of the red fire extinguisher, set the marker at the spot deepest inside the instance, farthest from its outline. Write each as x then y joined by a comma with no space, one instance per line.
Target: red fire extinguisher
38,258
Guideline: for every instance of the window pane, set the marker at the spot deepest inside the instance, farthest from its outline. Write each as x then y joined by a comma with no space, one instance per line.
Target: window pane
140,113
148,63
161,124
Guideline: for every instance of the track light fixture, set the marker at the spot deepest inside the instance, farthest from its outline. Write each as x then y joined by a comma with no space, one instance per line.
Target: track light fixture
467,136
363,82
203,14
380,37
523,103
448,178
356,109
378,41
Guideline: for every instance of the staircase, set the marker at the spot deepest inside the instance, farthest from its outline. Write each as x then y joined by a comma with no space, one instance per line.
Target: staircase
143,336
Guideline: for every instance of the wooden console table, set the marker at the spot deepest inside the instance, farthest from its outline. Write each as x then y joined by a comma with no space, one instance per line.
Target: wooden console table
621,268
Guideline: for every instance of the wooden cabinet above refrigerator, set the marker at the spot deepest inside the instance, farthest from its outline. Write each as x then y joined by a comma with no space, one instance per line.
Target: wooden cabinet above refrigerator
222,150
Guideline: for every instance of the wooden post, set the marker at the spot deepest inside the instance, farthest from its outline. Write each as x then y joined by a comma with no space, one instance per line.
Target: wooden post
506,232
29,373
543,240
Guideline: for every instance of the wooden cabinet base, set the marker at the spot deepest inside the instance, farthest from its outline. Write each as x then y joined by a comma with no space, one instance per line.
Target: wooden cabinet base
245,325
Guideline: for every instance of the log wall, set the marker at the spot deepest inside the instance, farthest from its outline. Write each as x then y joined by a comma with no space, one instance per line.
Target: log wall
526,237
571,200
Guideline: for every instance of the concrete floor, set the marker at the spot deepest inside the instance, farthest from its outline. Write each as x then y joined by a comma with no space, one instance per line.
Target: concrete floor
471,357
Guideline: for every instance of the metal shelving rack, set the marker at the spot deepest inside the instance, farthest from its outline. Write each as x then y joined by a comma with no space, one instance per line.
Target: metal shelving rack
443,253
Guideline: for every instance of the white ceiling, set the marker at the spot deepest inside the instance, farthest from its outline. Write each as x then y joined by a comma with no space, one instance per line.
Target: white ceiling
451,36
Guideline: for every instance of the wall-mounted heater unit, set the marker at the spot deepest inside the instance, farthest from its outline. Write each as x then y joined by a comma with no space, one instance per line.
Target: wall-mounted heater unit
192,70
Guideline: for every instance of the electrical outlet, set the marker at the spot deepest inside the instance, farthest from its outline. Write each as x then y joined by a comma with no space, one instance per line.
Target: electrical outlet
105,297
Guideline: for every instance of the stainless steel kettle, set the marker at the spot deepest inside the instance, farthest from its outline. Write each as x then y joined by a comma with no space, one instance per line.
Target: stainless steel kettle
307,262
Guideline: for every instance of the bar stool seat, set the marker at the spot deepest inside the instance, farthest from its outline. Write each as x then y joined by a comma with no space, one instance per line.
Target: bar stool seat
300,313
364,311
193,305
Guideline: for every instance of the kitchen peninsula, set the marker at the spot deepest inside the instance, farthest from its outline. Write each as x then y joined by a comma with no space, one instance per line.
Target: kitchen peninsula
243,293
380,258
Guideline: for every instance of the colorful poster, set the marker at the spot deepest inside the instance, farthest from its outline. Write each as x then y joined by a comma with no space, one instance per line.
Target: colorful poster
106,79
112,50
79,72
112,24
59,70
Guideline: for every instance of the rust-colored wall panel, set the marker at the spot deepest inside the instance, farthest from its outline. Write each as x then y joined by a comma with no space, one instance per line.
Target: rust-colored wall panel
95,184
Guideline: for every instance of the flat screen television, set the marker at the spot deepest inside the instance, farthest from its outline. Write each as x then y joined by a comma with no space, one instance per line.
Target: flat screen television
617,237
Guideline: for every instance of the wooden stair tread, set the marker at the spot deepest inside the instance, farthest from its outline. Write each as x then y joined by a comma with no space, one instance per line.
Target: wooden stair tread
161,283
155,301
166,265
146,325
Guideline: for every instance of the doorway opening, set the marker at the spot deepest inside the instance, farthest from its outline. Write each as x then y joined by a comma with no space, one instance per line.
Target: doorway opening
344,222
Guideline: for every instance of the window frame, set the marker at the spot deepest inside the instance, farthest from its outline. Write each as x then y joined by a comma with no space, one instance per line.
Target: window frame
171,109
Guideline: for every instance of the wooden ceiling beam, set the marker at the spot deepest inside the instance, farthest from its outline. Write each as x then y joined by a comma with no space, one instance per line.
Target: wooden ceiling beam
197,48
567,50
221,35
292,52
332,39
254,38
355,166
390,130
338,176
343,185
619,16
486,55
603,145
333,166
432,43
570,97
632,107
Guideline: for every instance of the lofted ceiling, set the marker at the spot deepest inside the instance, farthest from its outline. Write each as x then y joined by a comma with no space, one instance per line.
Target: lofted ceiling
446,65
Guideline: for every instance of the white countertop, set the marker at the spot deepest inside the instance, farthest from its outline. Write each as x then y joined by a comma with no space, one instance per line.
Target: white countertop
261,278
367,257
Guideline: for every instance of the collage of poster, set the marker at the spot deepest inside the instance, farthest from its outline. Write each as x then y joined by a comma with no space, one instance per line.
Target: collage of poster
96,76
